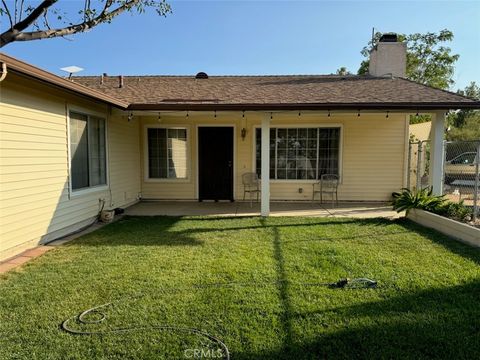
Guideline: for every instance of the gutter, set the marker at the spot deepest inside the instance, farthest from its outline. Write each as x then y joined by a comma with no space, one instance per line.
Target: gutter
305,106
4,71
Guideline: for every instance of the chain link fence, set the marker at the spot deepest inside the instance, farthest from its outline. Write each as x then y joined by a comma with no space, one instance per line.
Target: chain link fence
461,176
461,173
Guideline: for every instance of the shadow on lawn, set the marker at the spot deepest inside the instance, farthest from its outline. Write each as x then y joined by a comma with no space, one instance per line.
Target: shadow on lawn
283,290
160,230
437,323
454,246
140,231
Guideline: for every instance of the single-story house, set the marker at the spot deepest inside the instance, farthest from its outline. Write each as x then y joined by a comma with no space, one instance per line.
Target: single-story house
69,147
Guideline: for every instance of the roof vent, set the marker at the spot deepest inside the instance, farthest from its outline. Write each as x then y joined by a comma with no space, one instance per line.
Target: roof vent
389,37
201,75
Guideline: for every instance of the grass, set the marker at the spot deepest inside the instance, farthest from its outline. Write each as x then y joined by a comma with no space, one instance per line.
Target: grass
166,270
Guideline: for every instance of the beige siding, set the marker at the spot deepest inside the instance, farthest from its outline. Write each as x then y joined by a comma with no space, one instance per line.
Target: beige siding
35,201
373,154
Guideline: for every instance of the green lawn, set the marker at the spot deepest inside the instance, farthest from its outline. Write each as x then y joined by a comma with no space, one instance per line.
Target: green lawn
257,285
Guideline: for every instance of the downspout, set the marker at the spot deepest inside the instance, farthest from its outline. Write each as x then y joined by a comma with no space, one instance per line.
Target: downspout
4,71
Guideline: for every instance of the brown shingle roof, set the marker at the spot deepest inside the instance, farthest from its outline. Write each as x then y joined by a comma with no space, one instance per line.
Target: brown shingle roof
286,91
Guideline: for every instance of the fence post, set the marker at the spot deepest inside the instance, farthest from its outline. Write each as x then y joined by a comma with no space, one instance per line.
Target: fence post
419,166
477,180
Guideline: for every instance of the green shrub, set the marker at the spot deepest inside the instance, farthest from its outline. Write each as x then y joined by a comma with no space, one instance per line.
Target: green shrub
456,211
421,199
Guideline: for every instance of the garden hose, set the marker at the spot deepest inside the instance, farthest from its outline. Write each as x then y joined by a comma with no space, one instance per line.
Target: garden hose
101,316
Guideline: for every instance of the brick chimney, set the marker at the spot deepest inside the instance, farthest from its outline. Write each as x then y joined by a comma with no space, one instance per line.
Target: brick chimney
389,57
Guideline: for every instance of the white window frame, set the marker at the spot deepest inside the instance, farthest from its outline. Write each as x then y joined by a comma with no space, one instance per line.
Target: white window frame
301,126
146,174
90,189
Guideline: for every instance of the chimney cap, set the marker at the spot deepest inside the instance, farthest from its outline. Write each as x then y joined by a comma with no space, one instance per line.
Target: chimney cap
201,75
389,37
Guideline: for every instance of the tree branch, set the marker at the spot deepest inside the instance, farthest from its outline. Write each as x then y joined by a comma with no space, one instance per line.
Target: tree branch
7,11
20,13
69,30
33,16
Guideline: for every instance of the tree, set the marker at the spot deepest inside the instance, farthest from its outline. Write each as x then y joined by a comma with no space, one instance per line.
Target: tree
465,124
470,130
459,118
27,20
429,60
342,71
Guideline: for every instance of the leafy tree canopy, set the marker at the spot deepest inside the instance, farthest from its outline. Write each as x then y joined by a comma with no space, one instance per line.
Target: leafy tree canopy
26,20
342,71
465,124
429,60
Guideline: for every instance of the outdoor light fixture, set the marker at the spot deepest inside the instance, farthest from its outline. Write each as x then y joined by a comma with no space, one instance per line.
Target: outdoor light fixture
130,117
187,115
328,113
358,113
243,133
159,117
386,116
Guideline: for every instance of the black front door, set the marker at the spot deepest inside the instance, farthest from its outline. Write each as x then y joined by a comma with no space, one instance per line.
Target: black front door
215,163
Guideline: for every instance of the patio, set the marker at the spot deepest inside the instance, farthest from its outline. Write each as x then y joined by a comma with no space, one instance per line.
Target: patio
278,208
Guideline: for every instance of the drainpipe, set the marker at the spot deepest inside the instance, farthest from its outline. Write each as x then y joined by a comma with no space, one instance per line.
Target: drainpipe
4,71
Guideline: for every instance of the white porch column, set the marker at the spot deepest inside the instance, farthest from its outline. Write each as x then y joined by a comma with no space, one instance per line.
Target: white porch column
436,152
265,171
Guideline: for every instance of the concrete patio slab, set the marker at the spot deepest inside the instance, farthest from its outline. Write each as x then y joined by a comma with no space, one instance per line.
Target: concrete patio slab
280,208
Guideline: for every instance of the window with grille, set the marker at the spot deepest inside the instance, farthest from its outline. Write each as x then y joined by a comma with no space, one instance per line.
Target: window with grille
88,159
301,153
167,153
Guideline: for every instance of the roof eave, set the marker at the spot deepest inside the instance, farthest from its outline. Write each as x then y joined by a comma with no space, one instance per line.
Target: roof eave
25,69
305,106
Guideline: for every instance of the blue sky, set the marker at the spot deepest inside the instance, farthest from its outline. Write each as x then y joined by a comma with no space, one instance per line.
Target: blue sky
256,37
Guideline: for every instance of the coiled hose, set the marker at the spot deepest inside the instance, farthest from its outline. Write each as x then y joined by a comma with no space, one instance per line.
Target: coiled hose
81,318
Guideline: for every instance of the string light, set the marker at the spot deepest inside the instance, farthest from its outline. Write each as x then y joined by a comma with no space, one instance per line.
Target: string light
328,113
358,114
299,113
215,114
271,116
243,113
187,114
387,114
159,116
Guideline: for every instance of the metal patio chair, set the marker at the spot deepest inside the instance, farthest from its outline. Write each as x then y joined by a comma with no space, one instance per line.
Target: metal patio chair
328,184
251,185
